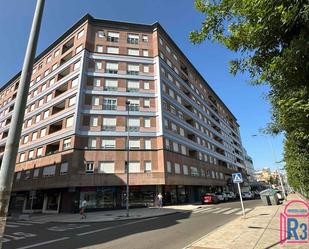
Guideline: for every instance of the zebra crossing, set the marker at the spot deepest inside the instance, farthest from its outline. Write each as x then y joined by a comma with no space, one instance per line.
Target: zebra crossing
15,224
217,210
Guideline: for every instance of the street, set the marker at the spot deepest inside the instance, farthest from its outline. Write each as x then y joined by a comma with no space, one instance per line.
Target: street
180,229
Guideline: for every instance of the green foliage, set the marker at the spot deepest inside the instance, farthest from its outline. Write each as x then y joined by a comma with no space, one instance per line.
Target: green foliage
271,38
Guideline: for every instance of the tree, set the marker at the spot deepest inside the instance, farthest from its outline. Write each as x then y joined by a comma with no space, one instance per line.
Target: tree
271,38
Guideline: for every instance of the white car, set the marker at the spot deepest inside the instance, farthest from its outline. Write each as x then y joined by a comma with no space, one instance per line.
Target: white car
247,195
230,195
220,196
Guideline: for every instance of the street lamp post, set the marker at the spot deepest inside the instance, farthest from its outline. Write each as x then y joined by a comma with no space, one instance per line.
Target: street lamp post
128,157
12,142
275,162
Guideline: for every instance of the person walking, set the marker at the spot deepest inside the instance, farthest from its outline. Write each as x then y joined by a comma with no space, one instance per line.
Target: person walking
160,200
82,209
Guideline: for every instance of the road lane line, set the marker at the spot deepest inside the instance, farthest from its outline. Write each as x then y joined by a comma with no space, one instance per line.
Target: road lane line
222,210
246,210
9,225
109,228
231,211
43,243
19,223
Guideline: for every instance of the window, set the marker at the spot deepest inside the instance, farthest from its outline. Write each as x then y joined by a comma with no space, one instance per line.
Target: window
181,131
49,171
97,82
133,39
34,135
133,69
18,175
64,167
146,86
134,167
183,150
92,143
111,67
134,124
26,139
99,48
72,101
132,51
146,69
32,107
79,48
48,59
145,38
46,114
98,65
95,100
185,170
107,167
112,37
46,72
43,132
112,50
74,82
39,152
168,167
36,173
109,124
177,168
76,65
100,34
133,86
80,34
168,49
43,87
22,157
27,174
174,127
175,147
134,104
111,85
94,121
54,67
89,167
171,93
67,143
146,103
69,122
49,97
108,143
147,166
161,41
145,53
147,144
147,123
134,144
109,104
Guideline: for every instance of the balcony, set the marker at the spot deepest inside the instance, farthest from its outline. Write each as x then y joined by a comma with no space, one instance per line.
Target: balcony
111,71
133,128
129,72
132,89
68,45
132,40
108,128
55,127
60,90
110,88
66,58
112,39
52,148
58,108
63,73
133,108
110,107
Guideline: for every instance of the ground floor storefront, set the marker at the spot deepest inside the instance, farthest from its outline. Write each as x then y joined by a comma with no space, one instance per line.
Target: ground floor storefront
68,200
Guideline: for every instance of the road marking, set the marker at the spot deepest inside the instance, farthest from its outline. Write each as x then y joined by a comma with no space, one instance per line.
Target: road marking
43,243
201,210
246,210
220,211
211,210
19,223
34,222
231,211
67,227
8,225
109,228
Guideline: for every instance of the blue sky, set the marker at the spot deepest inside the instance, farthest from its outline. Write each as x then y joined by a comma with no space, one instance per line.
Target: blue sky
178,17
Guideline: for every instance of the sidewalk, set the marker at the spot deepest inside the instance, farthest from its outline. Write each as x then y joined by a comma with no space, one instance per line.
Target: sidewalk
260,230
112,215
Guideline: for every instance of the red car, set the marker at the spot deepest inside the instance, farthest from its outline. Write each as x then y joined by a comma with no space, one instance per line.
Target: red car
209,199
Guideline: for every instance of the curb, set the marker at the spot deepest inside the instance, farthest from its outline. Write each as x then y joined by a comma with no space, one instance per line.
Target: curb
103,221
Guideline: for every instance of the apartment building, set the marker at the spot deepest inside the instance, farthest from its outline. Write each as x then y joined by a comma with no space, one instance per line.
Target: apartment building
97,83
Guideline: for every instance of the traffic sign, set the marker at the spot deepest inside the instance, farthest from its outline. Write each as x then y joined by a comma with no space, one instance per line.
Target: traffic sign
237,178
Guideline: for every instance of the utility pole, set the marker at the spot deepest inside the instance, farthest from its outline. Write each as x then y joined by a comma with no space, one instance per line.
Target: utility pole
128,158
12,142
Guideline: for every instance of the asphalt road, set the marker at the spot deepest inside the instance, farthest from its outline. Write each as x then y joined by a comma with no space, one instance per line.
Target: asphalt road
174,231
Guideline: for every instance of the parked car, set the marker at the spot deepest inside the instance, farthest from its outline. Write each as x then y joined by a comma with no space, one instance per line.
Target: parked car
209,199
230,195
220,196
247,195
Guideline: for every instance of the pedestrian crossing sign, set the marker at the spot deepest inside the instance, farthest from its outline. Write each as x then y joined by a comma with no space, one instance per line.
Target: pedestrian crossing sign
237,178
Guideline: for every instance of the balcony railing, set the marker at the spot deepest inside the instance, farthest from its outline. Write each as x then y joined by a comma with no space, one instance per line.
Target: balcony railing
108,128
134,108
110,88
111,71
133,89
132,72
112,39
132,41
133,128
110,107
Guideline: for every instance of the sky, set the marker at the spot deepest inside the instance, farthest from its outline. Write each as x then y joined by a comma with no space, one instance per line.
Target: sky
178,17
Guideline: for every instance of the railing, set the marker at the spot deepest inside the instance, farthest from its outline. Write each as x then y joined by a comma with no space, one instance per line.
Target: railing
133,128
110,107
108,128
112,39
132,40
